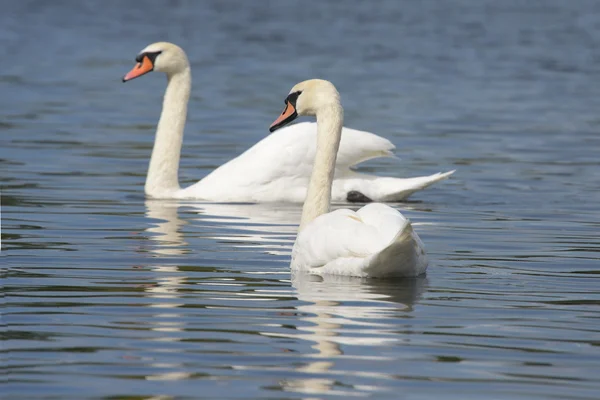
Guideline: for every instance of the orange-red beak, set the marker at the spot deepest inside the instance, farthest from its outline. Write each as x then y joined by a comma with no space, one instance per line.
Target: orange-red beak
288,115
140,69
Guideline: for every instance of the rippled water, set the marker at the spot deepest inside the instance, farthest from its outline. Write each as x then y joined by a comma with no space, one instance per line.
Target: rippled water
111,296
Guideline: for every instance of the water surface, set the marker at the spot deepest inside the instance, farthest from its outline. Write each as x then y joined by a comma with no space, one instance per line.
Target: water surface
112,296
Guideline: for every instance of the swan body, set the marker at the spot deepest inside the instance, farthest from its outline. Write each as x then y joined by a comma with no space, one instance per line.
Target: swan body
376,241
277,168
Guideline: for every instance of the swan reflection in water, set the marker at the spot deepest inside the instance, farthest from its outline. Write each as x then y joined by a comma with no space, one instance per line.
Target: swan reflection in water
341,312
334,311
166,240
248,226
268,226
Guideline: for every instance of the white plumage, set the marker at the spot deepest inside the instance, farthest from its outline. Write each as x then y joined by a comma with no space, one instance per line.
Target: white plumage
376,241
278,168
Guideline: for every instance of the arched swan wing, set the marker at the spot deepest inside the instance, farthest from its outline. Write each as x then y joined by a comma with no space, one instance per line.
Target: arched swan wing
344,235
279,166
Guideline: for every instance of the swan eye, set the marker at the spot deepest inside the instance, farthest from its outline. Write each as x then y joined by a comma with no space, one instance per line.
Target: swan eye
292,97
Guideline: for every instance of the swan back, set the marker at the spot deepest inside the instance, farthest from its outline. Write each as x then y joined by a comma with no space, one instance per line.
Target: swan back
376,241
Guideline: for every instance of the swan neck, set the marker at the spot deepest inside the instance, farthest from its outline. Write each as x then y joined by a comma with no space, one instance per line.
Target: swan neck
163,172
329,132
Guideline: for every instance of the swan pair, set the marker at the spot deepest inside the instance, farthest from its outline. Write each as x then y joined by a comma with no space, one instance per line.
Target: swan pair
375,241
277,168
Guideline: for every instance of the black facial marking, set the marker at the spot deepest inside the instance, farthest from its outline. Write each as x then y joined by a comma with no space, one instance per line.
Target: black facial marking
354,196
150,55
292,98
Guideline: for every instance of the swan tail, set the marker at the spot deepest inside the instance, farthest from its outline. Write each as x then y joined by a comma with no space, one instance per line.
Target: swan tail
404,257
365,188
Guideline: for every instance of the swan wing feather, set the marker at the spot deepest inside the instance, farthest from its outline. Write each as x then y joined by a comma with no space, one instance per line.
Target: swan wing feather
279,166
376,240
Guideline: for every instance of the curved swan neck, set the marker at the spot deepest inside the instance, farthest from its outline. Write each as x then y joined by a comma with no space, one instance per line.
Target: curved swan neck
162,179
329,132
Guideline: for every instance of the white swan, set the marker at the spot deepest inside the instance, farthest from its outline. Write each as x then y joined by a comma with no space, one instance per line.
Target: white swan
275,169
375,241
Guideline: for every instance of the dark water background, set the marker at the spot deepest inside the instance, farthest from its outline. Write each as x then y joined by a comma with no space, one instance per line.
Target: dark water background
110,296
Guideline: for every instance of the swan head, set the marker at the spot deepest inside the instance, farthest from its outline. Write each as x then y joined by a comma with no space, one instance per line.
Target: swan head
307,98
160,56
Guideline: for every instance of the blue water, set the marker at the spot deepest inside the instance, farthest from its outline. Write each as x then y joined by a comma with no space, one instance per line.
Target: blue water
112,296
